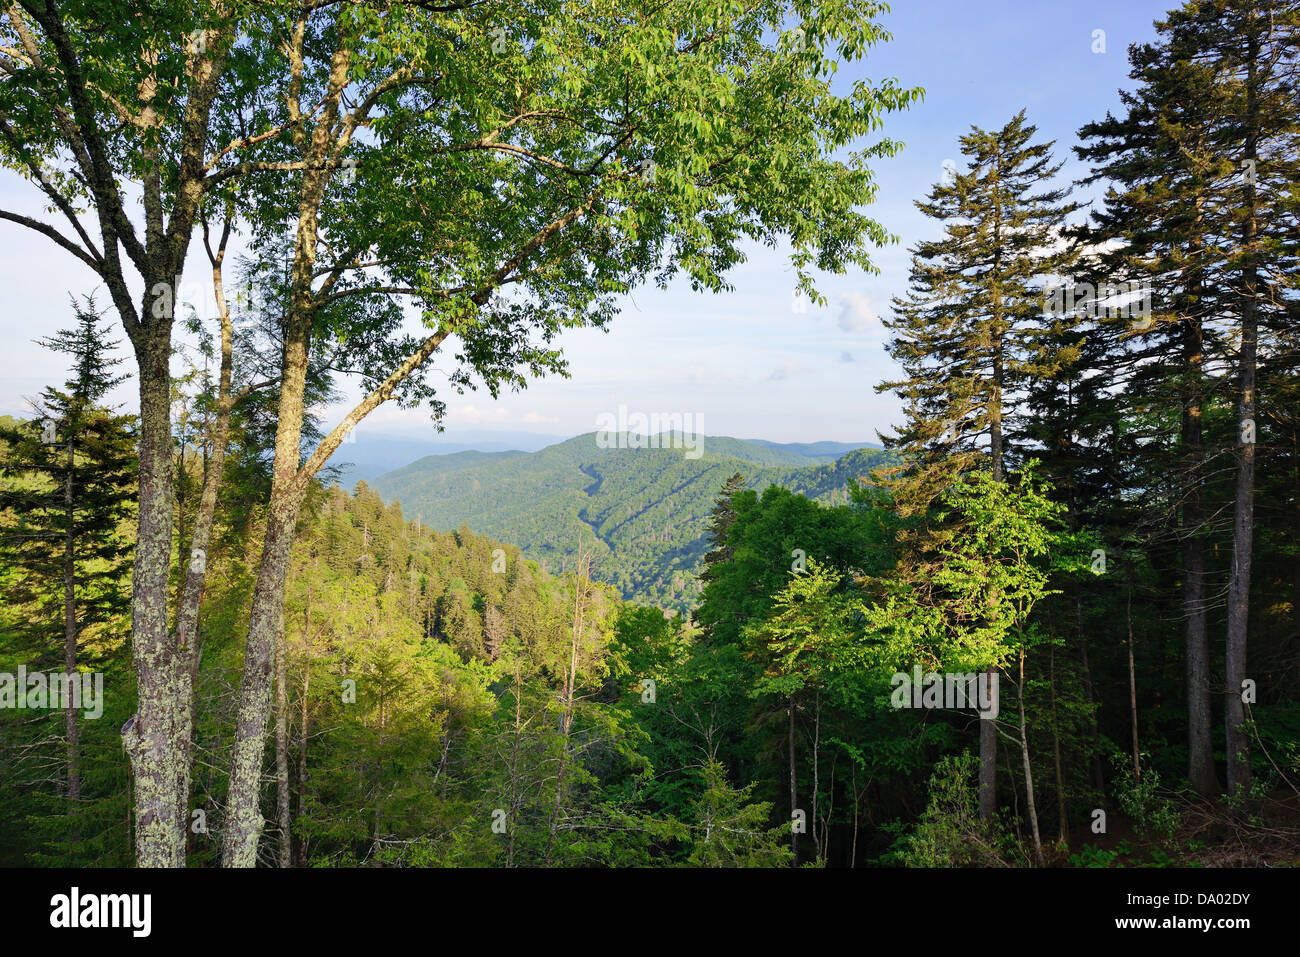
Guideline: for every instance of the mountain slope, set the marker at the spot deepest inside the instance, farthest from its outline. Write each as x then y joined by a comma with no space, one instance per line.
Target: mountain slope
642,512
818,451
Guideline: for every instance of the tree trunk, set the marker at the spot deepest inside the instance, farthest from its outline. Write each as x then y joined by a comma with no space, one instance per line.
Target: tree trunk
1243,516
988,762
1200,747
794,795
303,727
1132,689
1062,831
282,753
817,733
71,725
150,737
988,793
195,562
1029,776
1094,771
514,774
244,817
243,811
853,854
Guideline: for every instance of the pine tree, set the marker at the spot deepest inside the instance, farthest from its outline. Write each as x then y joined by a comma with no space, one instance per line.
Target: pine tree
1161,158
70,482
1203,163
972,332
969,334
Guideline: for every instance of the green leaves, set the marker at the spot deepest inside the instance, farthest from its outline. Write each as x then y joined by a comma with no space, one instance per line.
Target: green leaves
968,602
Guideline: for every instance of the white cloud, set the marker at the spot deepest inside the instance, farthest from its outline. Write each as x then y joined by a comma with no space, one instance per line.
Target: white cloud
472,415
856,314
533,418
784,371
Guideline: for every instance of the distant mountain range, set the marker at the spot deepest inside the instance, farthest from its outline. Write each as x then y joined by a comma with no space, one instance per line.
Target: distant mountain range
642,511
371,455
818,451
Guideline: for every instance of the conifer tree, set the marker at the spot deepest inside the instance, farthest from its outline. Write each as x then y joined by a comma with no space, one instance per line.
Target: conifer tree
969,333
1202,162
1160,157
1255,45
972,330
70,482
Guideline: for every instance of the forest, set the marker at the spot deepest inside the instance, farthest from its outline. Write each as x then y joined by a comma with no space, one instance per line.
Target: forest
642,512
1054,623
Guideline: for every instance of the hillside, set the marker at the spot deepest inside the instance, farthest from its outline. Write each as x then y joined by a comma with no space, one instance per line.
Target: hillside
643,512
367,455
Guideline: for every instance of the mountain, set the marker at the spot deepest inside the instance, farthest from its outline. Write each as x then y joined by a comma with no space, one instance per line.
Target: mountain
369,455
819,451
642,511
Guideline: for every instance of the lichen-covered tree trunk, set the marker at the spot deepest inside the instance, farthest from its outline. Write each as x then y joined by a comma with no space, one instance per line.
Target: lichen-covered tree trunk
150,736
195,564
244,820
303,728
283,813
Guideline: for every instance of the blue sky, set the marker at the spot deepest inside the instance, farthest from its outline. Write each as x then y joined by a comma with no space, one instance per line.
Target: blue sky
748,363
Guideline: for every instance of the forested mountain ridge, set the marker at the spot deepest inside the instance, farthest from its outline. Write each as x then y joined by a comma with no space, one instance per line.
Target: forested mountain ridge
642,511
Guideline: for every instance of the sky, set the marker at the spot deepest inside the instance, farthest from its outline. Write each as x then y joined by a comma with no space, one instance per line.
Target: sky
750,363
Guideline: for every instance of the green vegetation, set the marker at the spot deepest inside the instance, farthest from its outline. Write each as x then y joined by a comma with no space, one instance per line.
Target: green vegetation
641,512
1016,636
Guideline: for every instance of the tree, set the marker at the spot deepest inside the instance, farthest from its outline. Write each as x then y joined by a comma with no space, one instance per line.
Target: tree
734,830
1163,160
971,332
968,606
807,644
721,516
1255,44
1202,159
95,99
494,631
70,483
520,168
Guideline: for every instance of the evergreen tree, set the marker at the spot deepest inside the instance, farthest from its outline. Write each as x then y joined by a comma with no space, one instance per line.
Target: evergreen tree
1203,163
970,332
973,332
70,483
1161,158
1255,44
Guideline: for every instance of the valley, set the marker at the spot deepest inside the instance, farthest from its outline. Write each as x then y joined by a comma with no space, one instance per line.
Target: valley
641,513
